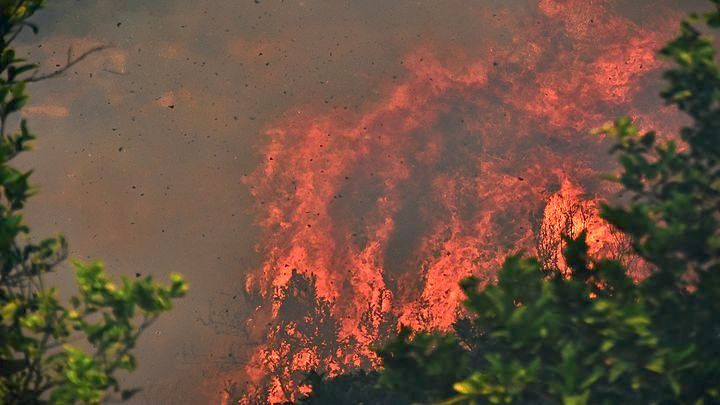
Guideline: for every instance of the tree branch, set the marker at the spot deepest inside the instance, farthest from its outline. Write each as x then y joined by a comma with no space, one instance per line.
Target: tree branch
70,63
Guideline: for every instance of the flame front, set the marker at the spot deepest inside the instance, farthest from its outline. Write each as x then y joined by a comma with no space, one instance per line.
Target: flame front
371,217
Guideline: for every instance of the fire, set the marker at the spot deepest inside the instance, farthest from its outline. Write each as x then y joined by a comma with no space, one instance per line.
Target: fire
372,217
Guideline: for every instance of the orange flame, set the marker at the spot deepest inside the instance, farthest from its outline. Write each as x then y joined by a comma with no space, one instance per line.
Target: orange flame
371,218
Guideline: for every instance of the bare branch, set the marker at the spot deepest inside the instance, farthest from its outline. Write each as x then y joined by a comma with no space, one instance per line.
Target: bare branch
70,63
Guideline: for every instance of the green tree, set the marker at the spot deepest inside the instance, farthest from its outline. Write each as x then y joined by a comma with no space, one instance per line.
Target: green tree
38,364
594,335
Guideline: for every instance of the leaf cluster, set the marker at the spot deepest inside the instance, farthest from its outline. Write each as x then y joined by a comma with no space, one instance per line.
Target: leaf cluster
52,351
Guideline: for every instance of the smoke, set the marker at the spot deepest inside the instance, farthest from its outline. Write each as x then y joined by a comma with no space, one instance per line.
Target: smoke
328,170
385,208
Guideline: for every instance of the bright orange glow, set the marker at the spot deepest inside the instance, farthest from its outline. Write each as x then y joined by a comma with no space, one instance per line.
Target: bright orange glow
372,217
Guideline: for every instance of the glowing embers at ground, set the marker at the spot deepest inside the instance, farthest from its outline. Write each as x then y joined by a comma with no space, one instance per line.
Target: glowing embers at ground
371,219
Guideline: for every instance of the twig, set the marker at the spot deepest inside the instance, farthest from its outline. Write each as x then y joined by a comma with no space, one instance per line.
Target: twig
15,34
70,63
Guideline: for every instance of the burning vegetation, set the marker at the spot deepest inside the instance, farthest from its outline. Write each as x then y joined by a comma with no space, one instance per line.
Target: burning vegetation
372,217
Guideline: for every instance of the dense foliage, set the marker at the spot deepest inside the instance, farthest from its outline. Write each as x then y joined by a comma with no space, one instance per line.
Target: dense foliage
38,363
594,335
359,388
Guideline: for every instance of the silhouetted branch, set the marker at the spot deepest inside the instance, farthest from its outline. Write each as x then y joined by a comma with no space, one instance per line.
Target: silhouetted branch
70,63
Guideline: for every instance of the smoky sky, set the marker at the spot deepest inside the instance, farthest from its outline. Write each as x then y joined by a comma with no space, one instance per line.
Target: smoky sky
142,148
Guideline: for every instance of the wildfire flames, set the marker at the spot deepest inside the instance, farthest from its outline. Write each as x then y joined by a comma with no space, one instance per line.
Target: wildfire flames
372,216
